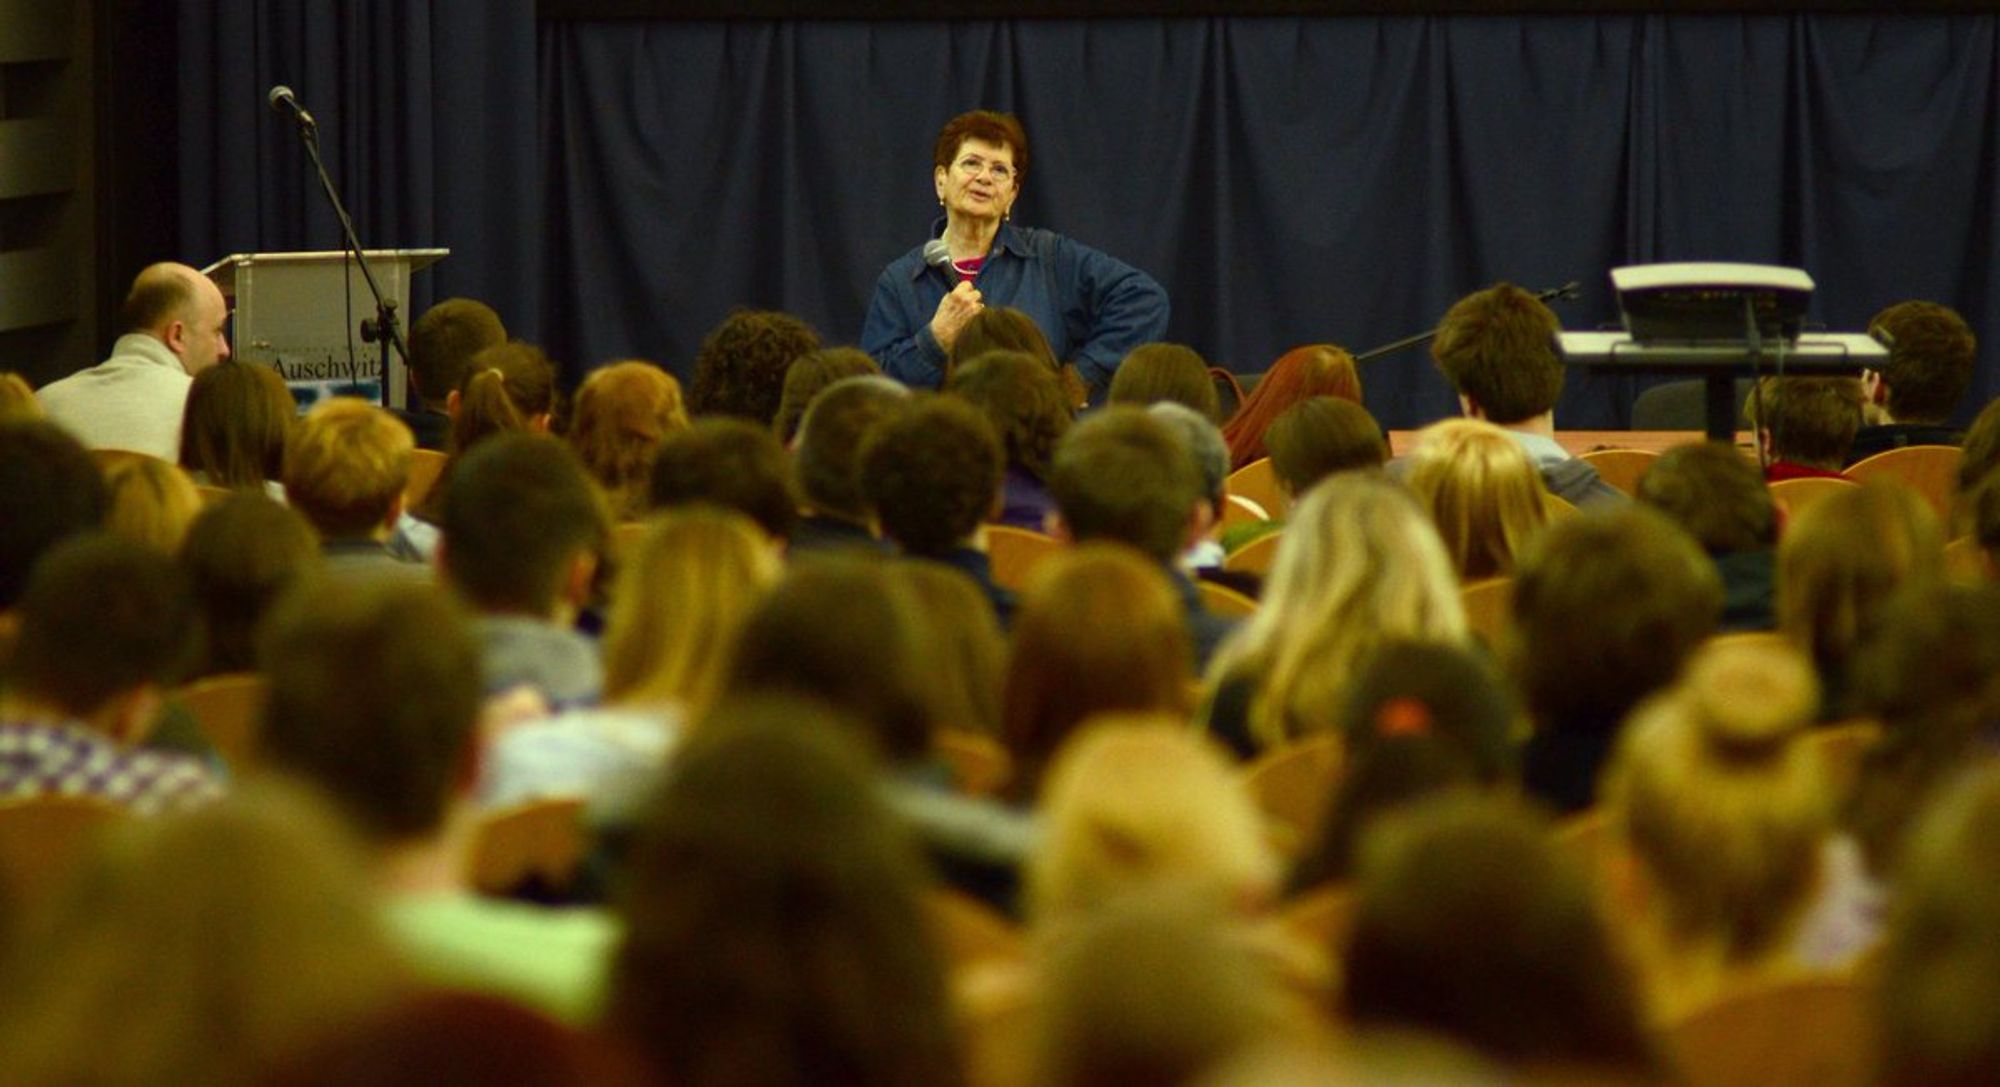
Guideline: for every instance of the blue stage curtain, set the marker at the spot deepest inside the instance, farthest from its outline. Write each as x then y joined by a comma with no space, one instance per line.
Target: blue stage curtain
427,118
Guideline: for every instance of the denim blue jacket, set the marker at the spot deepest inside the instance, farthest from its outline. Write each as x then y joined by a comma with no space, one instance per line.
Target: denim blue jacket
1093,307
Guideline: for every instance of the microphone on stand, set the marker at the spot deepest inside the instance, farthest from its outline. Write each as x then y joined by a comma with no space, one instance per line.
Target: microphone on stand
283,101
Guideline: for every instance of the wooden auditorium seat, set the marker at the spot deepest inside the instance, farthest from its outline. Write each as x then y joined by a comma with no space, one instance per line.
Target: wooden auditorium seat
1489,605
979,764
425,467
42,839
230,710
540,842
1621,468
1930,470
1292,786
1225,601
1255,557
1258,482
1796,494
1015,552
1806,1030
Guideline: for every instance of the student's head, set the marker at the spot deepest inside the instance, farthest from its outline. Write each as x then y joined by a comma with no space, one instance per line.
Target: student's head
241,554
1001,328
105,622
1470,923
1299,375
1720,804
839,631
1931,351
961,649
1152,372
152,501
1124,476
730,463
238,416
774,929
1022,398
1320,436
443,342
1981,452
811,374
1938,1001
1359,565
1099,630
827,457
1136,802
623,412
509,386
1714,492
1807,420
346,465
1205,448
1498,349
184,310
524,527
682,594
1482,492
1606,608
374,694
49,489
740,369
932,473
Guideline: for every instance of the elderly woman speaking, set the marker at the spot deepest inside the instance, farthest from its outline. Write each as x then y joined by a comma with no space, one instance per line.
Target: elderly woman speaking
1092,307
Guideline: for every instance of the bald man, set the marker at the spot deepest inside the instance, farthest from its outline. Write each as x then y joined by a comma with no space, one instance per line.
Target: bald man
176,325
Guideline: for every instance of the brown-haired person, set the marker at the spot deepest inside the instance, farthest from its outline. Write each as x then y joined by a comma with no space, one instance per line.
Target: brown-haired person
1004,328
152,502
931,474
624,410
105,627
775,931
375,700
524,533
1804,425
241,554
50,489
508,387
741,366
346,464
811,374
1152,372
238,416
1606,608
1093,308
732,463
174,324
827,461
442,343
1299,375
1314,438
1498,348
1910,400
1714,492
1029,409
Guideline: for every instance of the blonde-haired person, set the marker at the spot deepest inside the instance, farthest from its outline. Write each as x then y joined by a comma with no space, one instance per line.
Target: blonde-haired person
1361,565
624,410
1725,821
17,399
1481,490
152,501
346,464
1099,630
677,608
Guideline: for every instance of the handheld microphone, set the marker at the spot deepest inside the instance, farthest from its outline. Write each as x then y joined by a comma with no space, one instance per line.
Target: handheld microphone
938,255
282,100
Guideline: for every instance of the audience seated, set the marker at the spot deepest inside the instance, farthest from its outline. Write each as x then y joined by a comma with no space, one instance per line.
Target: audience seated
1299,375
1498,349
105,627
346,465
1001,328
966,650
811,374
442,343
623,412
524,533
152,502
1360,566
729,463
1606,608
374,699
931,474
233,434
50,489
740,369
774,930
241,554
1839,562
1100,631
1153,372
1981,455
1313,439
508,387
1911,399
1804,425
1026,403
827,461
1481,491
1470,923
1716,494
1209,454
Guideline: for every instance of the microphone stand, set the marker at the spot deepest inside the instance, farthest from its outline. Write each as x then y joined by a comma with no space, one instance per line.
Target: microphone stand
383,326
1566,291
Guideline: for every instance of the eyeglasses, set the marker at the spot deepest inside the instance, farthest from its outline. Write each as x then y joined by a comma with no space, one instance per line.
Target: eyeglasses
973,166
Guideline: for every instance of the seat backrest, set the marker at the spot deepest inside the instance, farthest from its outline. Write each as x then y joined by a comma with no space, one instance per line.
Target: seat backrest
41,840
1320,918
1965,560
1224,601
1816,1030
1489,606
425,467
1680,405
230,710
1292,786
540,841
1239,510
1621,468
1842,748
627,536
969,931
1796,494
1930,470
1258,482
979,764
1255,557
1015,552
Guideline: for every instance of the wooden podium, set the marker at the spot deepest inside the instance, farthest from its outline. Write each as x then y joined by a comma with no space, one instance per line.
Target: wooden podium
301,314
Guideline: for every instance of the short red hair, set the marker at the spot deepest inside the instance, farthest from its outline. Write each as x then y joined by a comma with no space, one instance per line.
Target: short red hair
1000,129
1299,374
